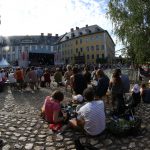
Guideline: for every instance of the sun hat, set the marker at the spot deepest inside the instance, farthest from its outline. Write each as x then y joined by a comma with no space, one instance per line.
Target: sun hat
78,98
136,88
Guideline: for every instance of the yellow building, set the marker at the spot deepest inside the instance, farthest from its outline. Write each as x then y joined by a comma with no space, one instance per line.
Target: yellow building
85,45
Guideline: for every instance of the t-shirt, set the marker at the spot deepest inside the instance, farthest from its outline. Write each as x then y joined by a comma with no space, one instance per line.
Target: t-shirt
47,77
94,116
126,83
51,106
102,86
33,76
11,78
19,75
146,96
79,84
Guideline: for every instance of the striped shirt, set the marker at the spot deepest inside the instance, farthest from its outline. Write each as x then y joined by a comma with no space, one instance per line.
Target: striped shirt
94,116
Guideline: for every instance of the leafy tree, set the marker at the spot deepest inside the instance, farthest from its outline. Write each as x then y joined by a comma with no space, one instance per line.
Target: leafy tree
131,20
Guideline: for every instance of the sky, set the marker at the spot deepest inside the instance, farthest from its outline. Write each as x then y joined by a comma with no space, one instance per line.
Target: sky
33,17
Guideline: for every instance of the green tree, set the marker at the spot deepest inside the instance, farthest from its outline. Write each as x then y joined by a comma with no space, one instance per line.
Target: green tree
131,20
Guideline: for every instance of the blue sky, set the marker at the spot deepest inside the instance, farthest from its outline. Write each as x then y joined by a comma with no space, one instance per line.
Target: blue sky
32,17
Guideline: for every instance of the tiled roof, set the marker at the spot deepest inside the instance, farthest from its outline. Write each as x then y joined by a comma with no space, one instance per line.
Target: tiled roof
17,40
74,33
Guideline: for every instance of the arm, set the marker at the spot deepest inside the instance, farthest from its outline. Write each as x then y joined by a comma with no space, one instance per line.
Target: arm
80,121
71,81
56,117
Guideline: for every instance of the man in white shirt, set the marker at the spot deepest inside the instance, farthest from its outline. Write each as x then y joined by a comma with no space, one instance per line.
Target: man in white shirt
91,116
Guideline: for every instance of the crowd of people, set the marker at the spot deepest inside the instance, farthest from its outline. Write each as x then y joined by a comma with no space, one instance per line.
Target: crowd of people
88,87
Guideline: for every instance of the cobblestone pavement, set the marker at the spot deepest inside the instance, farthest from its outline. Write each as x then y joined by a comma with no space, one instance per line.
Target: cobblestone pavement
22,128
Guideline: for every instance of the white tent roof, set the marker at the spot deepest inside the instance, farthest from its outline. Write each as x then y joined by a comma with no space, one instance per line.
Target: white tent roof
4,63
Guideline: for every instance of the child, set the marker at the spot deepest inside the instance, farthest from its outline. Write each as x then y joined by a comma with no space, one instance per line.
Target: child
136,95
52,112
78,101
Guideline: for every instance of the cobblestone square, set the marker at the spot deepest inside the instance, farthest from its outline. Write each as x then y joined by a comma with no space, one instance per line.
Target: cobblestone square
22,128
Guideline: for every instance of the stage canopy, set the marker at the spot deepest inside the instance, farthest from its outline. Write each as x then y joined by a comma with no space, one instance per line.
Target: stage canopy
4,63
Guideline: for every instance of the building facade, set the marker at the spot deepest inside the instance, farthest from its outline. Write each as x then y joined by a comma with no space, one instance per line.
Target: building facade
85,45
29,50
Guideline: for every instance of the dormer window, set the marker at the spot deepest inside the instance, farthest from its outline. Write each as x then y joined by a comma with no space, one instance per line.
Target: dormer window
80,33
67,38
72,35
97,29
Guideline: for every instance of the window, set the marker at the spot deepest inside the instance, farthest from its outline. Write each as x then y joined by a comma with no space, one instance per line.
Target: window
88,56
76,42
97,47
80,41
81,49
102,47
97,55
76,50
102,55
87,40
93,56
87,48
92,48
13,49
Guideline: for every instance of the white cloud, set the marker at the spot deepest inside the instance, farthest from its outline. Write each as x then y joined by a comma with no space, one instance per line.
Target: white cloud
32,17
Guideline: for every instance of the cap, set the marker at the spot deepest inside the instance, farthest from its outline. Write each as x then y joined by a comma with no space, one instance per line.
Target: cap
78,98
136,88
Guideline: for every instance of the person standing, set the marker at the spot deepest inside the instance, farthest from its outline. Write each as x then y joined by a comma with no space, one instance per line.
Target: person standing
58,76
117,90
125,80
19,77
87,75
102,84
67,76
33,78
77,81
47,78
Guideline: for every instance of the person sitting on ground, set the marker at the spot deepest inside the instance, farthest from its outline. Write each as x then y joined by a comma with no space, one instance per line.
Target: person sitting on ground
136,95
52,112
145,93
78,101
91,116
58,77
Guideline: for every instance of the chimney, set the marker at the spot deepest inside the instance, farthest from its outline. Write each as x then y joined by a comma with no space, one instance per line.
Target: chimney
77,28
56,35
42,34
86,26
49,34
71,29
